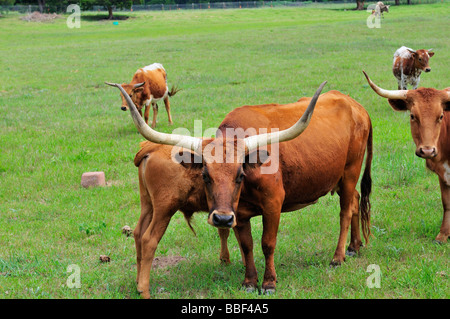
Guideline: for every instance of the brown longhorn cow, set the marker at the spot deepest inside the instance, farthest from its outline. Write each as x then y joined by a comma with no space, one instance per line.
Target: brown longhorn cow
148,86
243,175
430,129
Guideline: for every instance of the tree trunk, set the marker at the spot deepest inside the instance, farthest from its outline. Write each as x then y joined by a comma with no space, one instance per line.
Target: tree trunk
110,15
360,5
41,5
397,2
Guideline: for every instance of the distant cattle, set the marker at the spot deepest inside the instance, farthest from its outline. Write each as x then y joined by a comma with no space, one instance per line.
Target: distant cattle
430,128
148,86
380,8
326,157
408,64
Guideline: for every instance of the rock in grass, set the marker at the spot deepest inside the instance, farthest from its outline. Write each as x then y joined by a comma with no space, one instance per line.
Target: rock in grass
93,179
127,231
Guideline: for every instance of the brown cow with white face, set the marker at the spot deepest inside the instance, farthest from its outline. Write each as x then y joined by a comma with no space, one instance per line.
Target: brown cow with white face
290,174
408,65
148,86
430,129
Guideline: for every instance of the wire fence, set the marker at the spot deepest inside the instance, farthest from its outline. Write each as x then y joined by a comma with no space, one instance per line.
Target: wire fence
214,5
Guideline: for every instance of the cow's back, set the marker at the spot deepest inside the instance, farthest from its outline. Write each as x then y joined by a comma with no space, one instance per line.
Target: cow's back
154,76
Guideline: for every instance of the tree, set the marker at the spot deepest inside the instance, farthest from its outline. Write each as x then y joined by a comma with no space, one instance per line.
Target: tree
359,5
108,4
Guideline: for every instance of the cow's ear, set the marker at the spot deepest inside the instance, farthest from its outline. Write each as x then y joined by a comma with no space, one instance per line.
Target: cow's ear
189,159
256,158
446,106
430,54
446,102
413,53
139,89
399,105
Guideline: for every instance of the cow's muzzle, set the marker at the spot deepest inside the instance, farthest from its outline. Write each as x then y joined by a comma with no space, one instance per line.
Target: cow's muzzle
426,152
427,69
124,108
222,219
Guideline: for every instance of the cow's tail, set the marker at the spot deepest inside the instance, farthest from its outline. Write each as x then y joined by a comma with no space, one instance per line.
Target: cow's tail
366,189
188,218
173,90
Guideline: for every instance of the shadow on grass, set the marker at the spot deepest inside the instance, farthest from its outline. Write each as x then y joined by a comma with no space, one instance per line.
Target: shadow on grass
103,17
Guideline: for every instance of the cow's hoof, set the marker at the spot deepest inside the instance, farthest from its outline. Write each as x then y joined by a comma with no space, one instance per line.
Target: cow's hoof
335,263
248,288
268,291
350,252
145,295
437,242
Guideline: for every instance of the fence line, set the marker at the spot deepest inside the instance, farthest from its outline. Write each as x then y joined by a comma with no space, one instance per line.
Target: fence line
212,5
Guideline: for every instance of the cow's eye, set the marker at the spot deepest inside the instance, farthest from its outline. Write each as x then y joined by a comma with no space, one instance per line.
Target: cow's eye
240,177
441,117
412,117
420,59
206,177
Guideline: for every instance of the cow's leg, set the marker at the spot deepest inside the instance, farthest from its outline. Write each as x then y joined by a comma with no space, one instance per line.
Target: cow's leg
146,215
224,253
415,82
141,227
444,233
147,113
240,247
347,194
355,239
155,113
271,220
403,85
149,242
167,104
244,232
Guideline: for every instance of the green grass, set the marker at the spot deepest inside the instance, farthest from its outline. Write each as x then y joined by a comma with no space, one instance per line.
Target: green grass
59,120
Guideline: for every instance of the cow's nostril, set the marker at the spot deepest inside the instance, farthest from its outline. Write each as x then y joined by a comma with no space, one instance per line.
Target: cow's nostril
123,108
222,220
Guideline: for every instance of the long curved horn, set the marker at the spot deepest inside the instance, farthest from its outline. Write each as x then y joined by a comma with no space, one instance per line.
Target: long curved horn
390,94
150,134
253,142
138,85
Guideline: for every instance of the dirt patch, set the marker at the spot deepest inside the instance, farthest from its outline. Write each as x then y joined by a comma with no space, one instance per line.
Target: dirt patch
36,16
166,261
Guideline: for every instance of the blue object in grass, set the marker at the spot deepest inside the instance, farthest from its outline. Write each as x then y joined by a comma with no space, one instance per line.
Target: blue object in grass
116,22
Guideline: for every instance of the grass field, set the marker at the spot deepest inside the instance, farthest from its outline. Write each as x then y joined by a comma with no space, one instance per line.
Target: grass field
59,120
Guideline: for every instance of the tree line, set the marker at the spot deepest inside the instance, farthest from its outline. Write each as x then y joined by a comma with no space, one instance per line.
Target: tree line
60,5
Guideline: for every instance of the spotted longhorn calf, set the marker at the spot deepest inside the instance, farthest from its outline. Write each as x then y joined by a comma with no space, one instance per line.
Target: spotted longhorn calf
408,64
